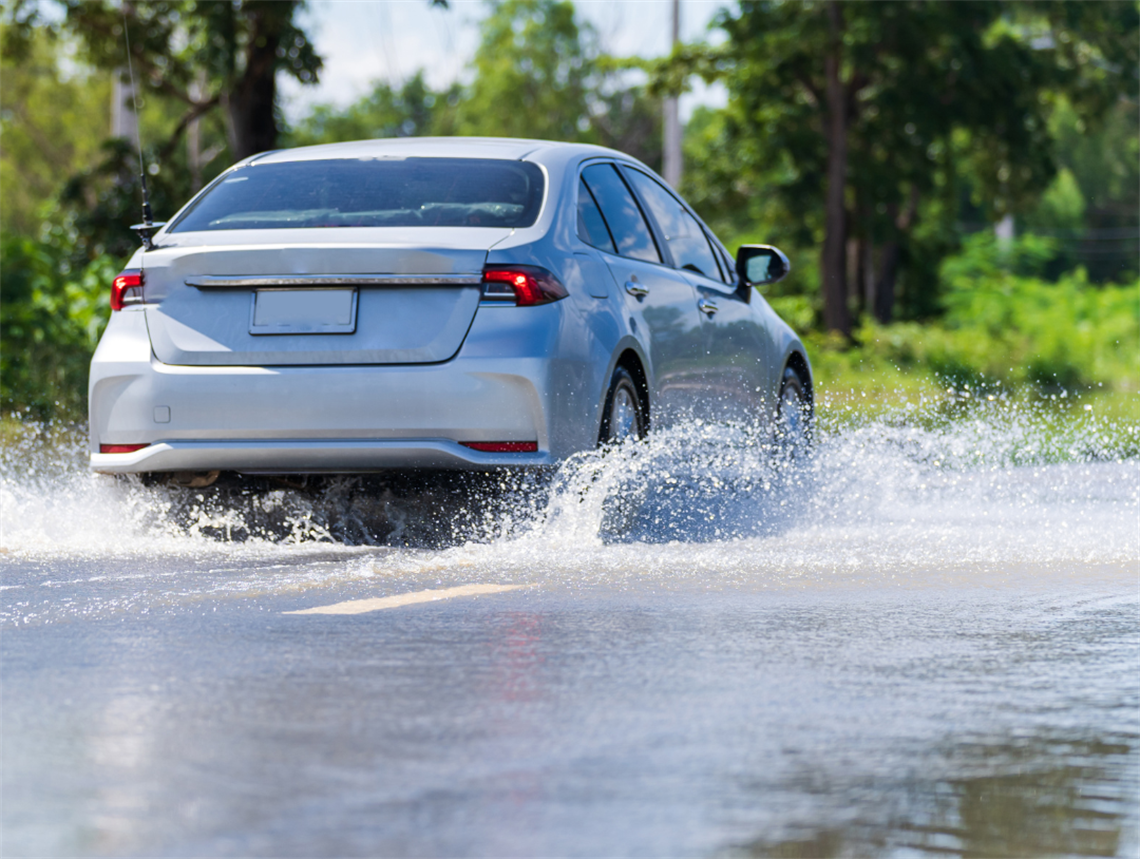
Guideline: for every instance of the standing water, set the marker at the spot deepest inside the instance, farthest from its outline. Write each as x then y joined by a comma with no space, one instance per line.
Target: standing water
918,638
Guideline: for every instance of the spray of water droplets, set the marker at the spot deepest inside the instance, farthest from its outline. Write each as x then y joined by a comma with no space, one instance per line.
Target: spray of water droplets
931,486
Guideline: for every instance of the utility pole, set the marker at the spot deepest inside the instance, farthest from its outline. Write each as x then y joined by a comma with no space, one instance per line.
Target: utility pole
671,155
194,134
124,120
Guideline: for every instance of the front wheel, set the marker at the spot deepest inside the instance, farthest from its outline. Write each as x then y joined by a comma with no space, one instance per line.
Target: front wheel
794,412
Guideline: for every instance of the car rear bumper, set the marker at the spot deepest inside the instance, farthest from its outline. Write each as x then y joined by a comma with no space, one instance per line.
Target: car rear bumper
321,418
294,456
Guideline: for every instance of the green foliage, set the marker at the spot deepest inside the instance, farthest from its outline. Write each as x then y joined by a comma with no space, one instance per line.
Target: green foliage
51,323
799,311
537,74
955,112
97,206
1091,207
531,72
626,118
52,125
1004,329
1062,205
1057,335
412,110
205,58
740,212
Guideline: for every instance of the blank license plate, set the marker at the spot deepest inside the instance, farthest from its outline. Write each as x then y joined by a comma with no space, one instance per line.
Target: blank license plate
303,311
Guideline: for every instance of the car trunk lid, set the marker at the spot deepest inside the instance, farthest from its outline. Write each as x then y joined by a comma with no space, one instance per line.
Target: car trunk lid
305,300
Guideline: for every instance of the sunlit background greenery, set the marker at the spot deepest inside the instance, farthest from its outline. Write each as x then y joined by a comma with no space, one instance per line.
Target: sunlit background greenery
958,115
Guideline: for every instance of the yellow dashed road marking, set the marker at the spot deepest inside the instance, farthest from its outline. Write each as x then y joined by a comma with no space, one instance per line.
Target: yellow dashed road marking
378,603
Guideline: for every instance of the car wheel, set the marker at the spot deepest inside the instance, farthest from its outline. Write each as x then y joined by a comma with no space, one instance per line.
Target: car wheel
623,418
794,412
624,414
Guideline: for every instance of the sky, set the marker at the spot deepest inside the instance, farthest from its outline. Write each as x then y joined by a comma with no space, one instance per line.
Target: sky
363,41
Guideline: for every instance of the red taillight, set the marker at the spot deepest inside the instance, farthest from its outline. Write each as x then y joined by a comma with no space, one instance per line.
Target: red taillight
523,285
120,448
127,288
502,446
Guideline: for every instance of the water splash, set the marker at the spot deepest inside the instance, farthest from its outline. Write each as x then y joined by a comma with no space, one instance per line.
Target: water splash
944,482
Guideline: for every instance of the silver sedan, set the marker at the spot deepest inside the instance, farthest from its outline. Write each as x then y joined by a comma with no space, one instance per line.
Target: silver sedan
431,303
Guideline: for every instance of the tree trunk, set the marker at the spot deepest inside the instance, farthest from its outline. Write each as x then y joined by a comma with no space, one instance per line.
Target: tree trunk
834,264
854,248
253,102
885,289
865,277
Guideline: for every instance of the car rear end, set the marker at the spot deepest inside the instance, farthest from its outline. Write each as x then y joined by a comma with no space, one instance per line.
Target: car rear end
312,314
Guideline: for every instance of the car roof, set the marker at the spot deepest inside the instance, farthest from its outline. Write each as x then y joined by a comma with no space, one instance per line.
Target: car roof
436,147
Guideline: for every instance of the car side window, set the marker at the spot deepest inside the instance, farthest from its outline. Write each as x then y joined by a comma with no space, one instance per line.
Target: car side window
686,240
727,267
622,214
592,227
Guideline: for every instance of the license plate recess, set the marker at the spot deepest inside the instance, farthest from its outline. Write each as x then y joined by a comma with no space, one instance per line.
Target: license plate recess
303,311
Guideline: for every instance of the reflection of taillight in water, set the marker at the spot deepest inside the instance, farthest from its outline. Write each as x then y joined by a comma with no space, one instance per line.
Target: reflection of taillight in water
521,285
127,288
517,657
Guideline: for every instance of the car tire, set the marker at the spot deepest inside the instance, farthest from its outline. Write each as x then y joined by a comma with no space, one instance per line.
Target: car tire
624,413
794,412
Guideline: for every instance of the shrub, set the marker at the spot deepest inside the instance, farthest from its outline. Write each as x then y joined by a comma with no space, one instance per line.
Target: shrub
1003,326
49,327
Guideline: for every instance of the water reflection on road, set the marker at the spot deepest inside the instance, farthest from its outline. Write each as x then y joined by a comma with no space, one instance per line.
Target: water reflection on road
1044,796
920,642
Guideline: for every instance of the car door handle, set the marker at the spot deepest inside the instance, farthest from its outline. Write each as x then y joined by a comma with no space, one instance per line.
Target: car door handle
706,306
636,289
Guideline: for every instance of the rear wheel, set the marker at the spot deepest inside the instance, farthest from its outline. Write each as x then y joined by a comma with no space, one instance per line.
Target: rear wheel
623,418
624,414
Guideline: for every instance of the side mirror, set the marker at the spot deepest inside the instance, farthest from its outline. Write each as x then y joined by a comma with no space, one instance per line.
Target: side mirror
758,265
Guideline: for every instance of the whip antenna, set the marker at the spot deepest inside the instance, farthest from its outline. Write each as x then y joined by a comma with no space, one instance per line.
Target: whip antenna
148,226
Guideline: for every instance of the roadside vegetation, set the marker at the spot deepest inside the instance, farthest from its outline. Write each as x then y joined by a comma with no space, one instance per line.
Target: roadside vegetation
959,117
1000,332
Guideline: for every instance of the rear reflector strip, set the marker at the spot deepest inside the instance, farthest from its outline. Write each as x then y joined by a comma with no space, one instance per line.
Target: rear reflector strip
502,446
120,448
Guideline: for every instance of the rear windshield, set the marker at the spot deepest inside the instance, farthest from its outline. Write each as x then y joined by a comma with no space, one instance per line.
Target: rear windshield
374,192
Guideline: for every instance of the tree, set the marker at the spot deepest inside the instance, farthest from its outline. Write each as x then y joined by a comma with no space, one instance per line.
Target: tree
1090,209
627,118
537,74
52,319
531,73
410,111
204,55
207,75
875,107
51,124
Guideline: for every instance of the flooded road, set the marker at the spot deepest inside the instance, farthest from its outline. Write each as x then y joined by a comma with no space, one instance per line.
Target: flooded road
923,639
